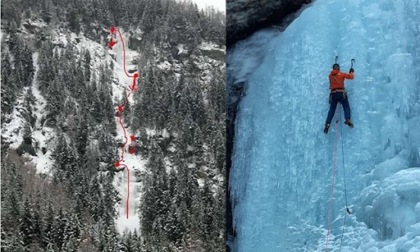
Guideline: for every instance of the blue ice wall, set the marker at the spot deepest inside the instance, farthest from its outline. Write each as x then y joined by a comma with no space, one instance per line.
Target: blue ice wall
282,162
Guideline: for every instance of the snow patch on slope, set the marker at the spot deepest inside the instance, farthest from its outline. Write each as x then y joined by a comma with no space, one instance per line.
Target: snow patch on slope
134,163
211,46
12,130
44,135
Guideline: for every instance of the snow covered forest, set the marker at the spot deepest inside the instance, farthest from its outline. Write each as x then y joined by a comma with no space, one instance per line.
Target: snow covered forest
60,88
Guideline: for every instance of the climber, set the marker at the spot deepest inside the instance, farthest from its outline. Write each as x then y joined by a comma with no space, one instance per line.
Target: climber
338,94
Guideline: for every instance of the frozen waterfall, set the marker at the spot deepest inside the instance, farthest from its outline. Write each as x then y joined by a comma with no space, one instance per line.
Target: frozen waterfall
283,162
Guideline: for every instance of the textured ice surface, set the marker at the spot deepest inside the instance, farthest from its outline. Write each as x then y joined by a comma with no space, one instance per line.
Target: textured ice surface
282,162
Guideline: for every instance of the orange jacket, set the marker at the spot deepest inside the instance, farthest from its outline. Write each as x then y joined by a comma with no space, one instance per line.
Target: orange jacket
337,79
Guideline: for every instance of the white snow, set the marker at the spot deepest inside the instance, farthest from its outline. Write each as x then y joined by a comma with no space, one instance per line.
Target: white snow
164,65
152,132
165,133
181,49
121,82
211,46
171,148
12,131
45,136
134,163
59,39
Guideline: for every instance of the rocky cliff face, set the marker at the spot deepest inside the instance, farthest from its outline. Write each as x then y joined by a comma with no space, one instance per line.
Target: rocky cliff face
246,16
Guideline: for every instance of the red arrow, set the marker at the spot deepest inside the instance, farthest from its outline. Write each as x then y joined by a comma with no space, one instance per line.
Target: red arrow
133,86
132,147
111,43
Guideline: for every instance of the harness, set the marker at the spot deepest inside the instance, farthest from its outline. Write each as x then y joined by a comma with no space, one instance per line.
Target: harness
335,90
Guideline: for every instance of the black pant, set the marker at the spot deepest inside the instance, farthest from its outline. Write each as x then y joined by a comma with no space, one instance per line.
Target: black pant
338,97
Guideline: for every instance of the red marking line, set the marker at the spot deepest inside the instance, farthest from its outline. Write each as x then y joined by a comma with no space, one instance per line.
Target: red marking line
119,114
133,86
122,41
128,190
125,136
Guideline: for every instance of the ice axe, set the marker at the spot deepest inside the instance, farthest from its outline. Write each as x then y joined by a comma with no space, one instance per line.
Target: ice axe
348,210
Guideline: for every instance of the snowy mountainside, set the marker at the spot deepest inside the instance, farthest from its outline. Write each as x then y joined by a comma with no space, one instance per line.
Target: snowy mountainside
176,116
207,57
44,136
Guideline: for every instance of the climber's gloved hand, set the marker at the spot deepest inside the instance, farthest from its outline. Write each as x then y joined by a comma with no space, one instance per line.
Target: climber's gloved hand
351,70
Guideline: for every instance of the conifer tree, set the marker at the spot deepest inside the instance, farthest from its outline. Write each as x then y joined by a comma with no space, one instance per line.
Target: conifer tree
65,157
26,227
87,61
8,91
58,230
74,22
46,73
173,208
47,235
55,97
82,134
28,103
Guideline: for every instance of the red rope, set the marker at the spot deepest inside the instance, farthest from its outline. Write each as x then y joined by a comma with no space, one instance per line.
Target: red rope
125,136
332,185
128,190
120,110
128,170
122,41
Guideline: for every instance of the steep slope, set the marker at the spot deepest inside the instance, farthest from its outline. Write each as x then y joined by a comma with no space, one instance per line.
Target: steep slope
45,136
247,16
283,163
74,137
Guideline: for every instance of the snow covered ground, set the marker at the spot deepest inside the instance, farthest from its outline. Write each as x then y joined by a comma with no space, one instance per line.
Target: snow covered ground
12,131
134,163
282,162
44,135
121,82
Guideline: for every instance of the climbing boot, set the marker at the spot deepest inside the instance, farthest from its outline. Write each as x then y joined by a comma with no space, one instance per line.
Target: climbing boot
327,126
349,123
